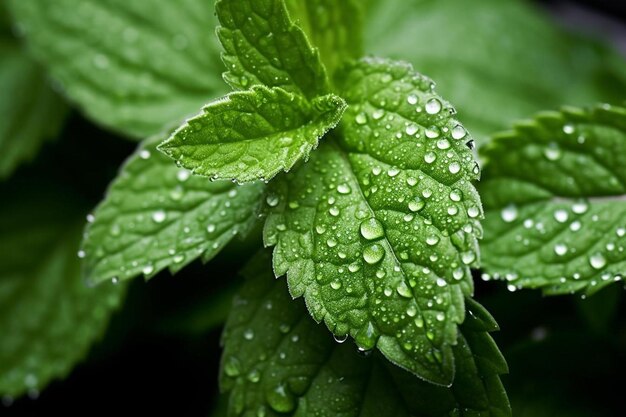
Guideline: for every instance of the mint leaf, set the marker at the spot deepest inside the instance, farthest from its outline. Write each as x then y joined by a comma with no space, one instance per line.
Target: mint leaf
130,66
334,27
555,195
277,361
475,51
31,112
254,134
48,316
158,216
264,47
378,231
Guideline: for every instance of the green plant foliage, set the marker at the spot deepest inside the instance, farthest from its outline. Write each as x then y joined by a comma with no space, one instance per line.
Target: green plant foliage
264,47
32,112
158,216
49,317
129,65
254,134
498,61
277,361
555,197
334,27
379,229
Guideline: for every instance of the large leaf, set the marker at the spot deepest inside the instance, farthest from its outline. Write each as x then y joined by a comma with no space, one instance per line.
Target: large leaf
277,361
157,215
334,27
264,47
498,61
31,112
129,65
555,195
379,229
253,135
48,316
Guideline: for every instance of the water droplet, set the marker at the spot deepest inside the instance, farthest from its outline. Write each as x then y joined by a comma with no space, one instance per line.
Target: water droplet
378,114
440,316
443,144
334,211
433,106
580,207
183,175
455,195
373,254
272,200
441,282
621,232
575,226
430,157
90,218
432,240
254,376
335,285
568,129
473,212
454,168
159,216
361,118
453,210
331,243
210,228
144,154
81,254
432,132
411,129
404,290
468,257
561,216
340,339
411,181
281,400
416,205
597,261
372,229
560,249
458,132
552,152
248,334
412,99
343,189
458,274
509,213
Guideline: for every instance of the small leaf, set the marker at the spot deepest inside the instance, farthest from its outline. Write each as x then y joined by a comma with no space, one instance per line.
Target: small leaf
334,27
31,112
48,316
264,47
156,216
277,361
255,134
555,195
378,231
129,65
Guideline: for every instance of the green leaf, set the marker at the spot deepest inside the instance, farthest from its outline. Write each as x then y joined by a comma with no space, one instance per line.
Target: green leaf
31,112
48,316
277,361
130,66
334,27
555,196
379,229
156,216
254,134
264,47
475,51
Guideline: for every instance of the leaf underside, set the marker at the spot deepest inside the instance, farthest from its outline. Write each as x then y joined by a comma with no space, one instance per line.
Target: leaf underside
128,65
378,230
31,112
158,216
555,199
48,316
277,361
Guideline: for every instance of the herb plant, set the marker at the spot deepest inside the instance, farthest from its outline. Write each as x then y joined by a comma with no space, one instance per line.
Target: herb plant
349,169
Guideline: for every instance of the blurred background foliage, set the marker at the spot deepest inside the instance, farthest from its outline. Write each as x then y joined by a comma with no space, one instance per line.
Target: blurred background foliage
498,61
